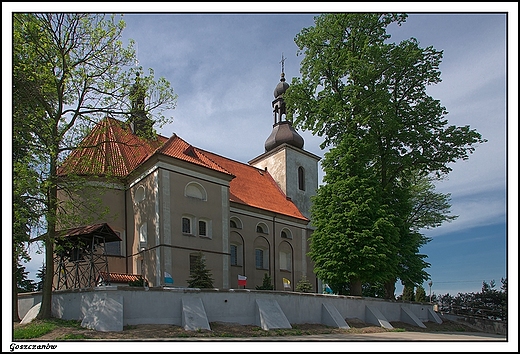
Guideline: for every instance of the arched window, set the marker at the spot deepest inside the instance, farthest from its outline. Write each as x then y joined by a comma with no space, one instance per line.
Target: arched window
195,190
301,178
235,222
261,228
286,233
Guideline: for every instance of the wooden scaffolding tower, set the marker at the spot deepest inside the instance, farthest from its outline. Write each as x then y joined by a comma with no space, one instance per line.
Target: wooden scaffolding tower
80,256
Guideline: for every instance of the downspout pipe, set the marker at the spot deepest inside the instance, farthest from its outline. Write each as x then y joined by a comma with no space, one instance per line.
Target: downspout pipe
274,252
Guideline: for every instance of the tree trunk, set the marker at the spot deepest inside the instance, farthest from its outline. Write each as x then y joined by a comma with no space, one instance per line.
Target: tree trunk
16,317
356,287
45,308
52,212
390,290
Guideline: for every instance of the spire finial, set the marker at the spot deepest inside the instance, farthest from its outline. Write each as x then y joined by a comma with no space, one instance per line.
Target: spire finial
283,62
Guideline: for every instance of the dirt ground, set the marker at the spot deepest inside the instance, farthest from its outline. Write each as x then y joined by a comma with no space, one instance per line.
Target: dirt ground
228,330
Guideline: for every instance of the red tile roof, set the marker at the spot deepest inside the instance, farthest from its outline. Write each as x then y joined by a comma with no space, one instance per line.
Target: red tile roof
180,149
256,188
110,149
118,277
113,149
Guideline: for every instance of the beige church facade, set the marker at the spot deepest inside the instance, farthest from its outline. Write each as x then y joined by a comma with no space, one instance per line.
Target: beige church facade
168,200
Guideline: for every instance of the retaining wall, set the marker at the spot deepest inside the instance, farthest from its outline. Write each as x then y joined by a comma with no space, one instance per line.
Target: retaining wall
165,305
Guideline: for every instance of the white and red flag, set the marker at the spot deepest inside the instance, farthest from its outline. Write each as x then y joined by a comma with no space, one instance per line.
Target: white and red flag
242,280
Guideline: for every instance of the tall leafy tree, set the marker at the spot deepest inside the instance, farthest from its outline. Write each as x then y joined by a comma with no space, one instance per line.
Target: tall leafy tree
358,88
26,156
354,239
74,68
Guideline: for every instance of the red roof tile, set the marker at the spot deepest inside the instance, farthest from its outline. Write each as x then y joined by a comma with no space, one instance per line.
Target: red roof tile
119,277
180,149
110,149
256,188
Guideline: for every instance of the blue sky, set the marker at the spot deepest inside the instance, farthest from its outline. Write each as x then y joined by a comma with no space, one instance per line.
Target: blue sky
224,67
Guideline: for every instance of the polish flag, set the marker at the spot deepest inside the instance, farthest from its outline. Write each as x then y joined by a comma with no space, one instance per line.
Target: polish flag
242,280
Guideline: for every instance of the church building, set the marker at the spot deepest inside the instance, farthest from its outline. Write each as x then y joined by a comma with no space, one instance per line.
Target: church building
168,200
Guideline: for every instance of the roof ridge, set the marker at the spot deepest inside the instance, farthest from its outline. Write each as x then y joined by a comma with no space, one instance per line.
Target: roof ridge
201,157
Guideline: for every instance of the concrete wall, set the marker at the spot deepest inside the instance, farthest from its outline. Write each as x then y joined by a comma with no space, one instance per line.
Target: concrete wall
481,324
164,306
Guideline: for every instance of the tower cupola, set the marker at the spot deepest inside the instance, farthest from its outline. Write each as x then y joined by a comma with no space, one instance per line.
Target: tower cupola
139,121
283,131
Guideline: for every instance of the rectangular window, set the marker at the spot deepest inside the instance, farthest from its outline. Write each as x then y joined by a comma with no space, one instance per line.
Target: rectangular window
186,226
202,228
301,178
285,261
234,253
259,259
113,248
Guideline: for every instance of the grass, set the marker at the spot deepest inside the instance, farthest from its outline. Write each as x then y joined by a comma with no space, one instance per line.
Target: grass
398,330
38,328
73,336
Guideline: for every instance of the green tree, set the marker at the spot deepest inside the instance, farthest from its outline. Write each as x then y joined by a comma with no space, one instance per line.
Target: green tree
200,276
304,285
367,97
25,156
74,69
417,207
354,238
408,293
420,294
23,284
267,283
41,275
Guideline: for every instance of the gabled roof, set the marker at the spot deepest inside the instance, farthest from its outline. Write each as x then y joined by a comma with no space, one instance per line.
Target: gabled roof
109,149
256,188
86,232
113,149
180,149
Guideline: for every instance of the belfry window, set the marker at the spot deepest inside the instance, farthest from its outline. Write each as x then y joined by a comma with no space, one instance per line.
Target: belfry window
301,178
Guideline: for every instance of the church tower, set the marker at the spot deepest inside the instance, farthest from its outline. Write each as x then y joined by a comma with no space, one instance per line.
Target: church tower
294,169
